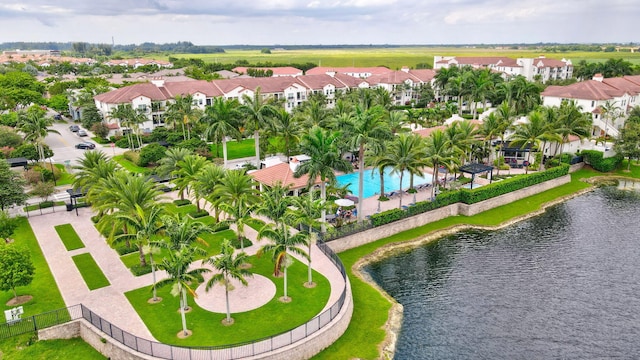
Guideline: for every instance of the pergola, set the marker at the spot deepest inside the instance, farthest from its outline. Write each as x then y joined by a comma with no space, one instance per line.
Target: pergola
475,168
74,194
15,162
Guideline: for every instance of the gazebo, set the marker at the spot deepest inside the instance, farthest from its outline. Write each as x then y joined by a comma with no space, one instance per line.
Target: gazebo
475,168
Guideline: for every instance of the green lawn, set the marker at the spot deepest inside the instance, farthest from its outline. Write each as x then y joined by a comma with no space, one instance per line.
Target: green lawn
163,319
24,347
65,177
129,165
90,271
43,288
236,150
371,308
69,237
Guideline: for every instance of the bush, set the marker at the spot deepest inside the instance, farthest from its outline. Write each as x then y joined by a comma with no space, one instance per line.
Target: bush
598,162
193,144
151,153
236,243
138,270
122,249
182,202
132,156
100,129
122,143
199,214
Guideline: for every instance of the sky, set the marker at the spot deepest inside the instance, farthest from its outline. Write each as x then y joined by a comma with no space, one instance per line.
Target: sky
320,22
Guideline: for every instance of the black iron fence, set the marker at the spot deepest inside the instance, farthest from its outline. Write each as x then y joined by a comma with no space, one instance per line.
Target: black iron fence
41,321
165,351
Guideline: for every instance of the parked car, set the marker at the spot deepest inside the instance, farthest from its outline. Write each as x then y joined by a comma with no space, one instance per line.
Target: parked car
57,117
74,128
82,132
86,145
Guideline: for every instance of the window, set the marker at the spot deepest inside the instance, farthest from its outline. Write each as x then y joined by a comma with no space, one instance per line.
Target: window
593,103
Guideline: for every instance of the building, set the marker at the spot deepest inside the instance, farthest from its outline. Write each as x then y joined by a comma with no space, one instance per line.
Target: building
596,96
136,63
275,71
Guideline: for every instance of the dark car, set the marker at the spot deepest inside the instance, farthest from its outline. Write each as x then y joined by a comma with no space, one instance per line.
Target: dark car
82,132
86,146
74,128
57,117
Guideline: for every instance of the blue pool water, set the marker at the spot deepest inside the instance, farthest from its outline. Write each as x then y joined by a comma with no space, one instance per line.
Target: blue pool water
372,183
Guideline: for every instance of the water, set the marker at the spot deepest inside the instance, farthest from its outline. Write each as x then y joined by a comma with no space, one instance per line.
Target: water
563,285
371,184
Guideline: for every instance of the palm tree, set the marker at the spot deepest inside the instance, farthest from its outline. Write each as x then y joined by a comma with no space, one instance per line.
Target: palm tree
257,112
205,182
126,116
406,153
274,202
169,163
222,120
313,113
572,121
230,266
610,111
181,232
438,152
284,127
368,126
533,133
186,174
176,264
182,110
237,197
142,224
36,126
505,114
322,148
396,120
283,244
306,211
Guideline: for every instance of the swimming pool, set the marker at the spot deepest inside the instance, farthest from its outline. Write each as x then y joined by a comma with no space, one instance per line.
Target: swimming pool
371,184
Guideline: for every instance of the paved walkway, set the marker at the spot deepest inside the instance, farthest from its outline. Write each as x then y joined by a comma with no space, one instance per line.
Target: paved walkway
109,302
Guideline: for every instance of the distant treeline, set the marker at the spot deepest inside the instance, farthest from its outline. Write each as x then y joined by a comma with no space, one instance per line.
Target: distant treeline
85,48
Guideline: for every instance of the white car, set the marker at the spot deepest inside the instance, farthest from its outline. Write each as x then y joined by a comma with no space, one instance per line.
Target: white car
82,132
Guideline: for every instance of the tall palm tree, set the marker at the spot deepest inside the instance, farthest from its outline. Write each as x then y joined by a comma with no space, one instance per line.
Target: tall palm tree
396,120
229,266
36,126
533,133
222,119
169,163
313,113
284,127
406,154
258,113
306,211
181,232
237,197
368,126
205,182
142,225
572,121
186,174
181,277
274,202
283,243
505,114
126,116
438,152
183,111
322,148
610,111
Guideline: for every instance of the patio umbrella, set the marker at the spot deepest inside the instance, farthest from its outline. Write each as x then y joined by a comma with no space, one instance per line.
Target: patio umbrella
352,198
344,202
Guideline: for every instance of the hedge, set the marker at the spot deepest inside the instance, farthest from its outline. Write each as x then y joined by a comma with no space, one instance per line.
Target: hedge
182,202
199,214
468,196
138,270
598,162
122,249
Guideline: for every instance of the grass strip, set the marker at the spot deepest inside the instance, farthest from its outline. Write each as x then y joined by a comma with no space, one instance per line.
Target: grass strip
25,347
163,319
129,165
69,237
90,271
236,149
371,308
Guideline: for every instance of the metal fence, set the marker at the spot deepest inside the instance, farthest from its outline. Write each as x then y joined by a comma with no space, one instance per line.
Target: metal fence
40,321
164,351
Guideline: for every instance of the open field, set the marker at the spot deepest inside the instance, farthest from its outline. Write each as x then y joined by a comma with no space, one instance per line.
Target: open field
393,58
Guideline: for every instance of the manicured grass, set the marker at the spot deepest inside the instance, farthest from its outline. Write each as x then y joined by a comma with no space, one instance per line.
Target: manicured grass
69,237
43,288
236,150
183,210
90,271
65,177
129,165
371,308
163,319
24,347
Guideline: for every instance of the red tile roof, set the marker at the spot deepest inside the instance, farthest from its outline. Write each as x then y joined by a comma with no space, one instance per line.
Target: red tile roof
277,71
349,70
281,173
587,90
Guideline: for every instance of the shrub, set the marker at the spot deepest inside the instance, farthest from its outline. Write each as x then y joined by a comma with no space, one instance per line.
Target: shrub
182,202
236,243
598,162
100,129
122,143
151,153
132,156
193,144
122,249
138,270
199,214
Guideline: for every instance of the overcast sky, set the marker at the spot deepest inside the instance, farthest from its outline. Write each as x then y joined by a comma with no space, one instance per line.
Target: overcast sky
299,22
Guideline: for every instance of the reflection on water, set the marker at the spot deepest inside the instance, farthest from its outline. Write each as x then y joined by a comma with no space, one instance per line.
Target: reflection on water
565,284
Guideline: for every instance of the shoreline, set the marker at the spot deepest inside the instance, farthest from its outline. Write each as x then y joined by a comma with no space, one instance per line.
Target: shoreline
392,326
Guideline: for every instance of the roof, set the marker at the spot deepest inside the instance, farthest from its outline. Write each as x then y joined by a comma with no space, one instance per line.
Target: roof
277,71
349,70
587,90
281,173
427,131
475,168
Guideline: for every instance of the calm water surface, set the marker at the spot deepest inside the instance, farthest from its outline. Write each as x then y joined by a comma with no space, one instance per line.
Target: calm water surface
563,285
